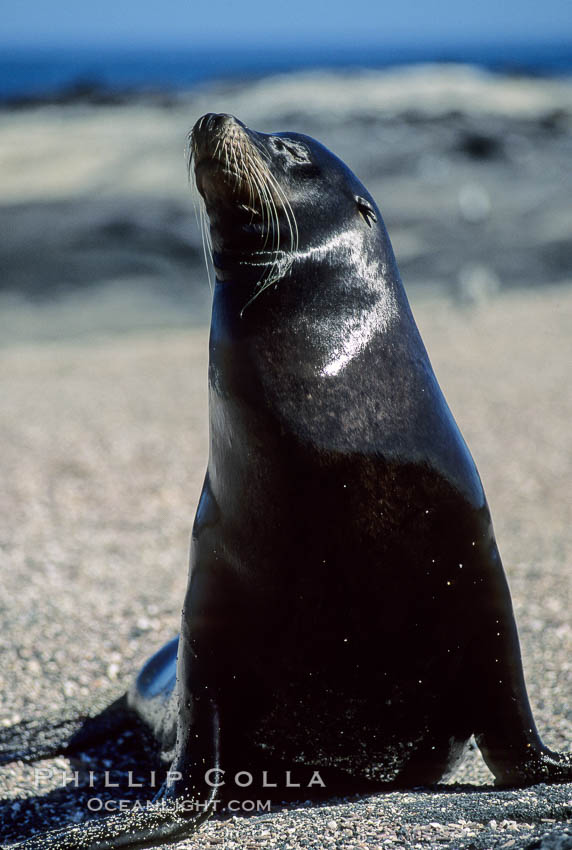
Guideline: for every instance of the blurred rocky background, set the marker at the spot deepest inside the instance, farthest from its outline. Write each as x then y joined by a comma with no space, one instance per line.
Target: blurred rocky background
470,168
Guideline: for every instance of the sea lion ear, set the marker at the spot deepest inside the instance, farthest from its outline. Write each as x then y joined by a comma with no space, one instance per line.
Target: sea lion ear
366,210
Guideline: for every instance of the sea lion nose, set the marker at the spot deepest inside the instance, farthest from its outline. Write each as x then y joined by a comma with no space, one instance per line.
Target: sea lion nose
222,119
216,122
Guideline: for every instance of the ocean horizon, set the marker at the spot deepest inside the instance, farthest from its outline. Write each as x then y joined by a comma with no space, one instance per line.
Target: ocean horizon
42,72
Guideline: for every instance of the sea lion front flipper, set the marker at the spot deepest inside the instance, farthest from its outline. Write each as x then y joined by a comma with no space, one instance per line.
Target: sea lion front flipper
505,729
170,817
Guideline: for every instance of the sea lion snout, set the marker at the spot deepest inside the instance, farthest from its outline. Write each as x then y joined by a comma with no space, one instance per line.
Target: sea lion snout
218,147
212,127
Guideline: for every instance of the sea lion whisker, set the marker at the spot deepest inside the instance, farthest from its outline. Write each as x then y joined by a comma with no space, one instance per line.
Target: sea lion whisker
188,155
239,179
252,190
220,146
233,165
198,205
262,183
273,192
292,223
275,273
268,222
273,224
289,212
255,194
279,266
224,149
199,208
206,242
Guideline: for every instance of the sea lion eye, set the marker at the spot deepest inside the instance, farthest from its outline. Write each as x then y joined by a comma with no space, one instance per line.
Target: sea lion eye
296,150
366,210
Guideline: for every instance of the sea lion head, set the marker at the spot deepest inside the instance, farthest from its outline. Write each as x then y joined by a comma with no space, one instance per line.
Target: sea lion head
275,200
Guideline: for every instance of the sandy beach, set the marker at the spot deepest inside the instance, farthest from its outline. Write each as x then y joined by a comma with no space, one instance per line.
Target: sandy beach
103,420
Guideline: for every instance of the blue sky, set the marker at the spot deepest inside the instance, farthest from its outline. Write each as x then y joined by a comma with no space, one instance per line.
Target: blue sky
188,22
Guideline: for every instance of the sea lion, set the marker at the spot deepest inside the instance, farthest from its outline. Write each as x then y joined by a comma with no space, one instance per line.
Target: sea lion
347,612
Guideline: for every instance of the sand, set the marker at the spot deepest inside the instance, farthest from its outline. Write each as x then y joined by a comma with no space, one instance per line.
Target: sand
104,442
